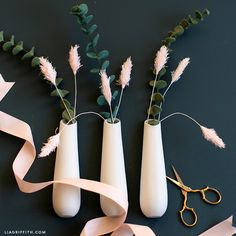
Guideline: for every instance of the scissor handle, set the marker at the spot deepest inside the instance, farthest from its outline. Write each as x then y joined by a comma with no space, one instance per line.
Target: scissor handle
193,213
213,190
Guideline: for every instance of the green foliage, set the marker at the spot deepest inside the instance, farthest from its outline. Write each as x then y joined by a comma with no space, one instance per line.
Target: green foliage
9,44
91,29
17,48
95,41
66,116
103,54
81,12
58,92
67,103
105,65
155,110
115,94
184,24
171,37
58,81
115,111
178,30
95,70
35,62
153,122
158,98
92,55
29,54
160,84
106,115
1,37
101,101
112,78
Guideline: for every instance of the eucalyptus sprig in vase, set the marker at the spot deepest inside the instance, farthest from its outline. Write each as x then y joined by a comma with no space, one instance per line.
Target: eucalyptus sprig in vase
112,160
153,186
66,199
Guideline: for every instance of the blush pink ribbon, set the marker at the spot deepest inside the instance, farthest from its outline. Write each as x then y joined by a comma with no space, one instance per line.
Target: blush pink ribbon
24,160
224,228
94,227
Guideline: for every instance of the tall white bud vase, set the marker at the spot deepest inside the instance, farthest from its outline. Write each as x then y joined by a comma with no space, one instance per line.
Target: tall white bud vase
112,165
153,184
66,199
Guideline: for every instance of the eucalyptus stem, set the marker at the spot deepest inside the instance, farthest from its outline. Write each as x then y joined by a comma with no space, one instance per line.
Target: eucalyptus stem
58,91
118,106
75,99
85,113
182,114
150,104
112,119
164,94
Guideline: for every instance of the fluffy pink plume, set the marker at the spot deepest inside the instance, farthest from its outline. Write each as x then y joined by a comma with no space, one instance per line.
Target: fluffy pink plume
48,71
74,59
50,146
105,85
161,59
211,136
180,69
125,73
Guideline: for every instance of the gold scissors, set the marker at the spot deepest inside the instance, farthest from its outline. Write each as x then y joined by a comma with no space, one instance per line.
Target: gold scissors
185,190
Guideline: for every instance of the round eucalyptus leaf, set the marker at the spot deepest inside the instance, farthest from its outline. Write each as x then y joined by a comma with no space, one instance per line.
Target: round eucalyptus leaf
155,110
153,122
101,101
158,98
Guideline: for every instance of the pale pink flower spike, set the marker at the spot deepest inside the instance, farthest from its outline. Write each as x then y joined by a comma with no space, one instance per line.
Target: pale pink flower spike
74,59
211,136
125,73
161,59
180,69
50,146
48,71
105,85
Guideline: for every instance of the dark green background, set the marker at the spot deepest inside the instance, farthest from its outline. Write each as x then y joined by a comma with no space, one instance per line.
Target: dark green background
206,91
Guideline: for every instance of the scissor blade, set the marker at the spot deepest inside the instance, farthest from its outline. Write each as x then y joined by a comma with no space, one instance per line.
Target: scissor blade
177,175
179,179
174,181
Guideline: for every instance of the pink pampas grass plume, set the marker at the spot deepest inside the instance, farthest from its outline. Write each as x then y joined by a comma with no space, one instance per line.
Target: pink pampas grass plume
50,146
125,73
74,59
180,69
211,136
161,59
48,71
105,86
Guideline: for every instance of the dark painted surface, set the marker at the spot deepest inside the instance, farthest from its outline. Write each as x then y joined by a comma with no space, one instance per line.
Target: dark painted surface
206,91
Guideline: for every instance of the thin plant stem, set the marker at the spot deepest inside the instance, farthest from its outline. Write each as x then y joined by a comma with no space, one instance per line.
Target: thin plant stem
182,114
64,103
112,119
150,104
164,94
118,106
85,113
82,113
75,99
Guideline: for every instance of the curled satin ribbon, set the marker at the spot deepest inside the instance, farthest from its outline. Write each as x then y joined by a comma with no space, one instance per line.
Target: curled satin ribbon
224,228
94,227
25,159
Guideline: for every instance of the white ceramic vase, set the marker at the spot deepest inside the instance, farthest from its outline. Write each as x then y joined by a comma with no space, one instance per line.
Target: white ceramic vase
153,184
112,165
66,199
